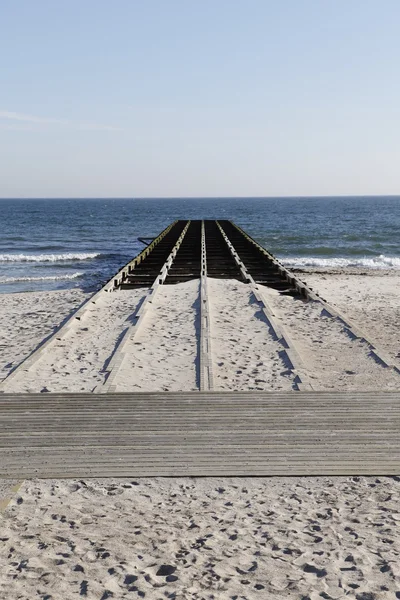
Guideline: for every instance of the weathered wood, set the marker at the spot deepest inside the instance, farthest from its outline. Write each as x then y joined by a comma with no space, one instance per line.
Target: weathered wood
195,433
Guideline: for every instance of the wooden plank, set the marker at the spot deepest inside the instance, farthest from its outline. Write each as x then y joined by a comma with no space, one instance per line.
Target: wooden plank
214,433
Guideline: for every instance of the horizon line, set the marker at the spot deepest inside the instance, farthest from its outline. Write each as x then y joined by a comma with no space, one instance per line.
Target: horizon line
300,197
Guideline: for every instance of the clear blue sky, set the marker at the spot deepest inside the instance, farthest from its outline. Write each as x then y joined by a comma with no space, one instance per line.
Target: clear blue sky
199,98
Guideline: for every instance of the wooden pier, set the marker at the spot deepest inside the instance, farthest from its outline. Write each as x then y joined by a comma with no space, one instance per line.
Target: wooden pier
107,433
248,261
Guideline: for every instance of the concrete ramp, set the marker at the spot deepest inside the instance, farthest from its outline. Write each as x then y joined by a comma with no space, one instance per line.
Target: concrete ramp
199,434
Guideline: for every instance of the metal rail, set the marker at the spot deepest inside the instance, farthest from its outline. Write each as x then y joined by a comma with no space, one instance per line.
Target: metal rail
187,263
206,374
144,269
270,261
74,320
356,334
206,249
119,356
307,293
119,277
66,327
289,354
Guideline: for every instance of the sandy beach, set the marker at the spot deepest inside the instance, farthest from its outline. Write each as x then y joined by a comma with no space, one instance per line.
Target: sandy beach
199,300
230,538
27,319
245,355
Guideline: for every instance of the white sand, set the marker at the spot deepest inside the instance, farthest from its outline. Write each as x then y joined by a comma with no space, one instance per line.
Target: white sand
25,319
217,538
370,299
332,359
245,355
75,362
220,538
163,354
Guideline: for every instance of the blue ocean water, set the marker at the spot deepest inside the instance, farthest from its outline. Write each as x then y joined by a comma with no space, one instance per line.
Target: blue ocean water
55,244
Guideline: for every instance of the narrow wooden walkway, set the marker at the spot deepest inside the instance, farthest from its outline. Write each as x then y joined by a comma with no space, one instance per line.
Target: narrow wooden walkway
213,433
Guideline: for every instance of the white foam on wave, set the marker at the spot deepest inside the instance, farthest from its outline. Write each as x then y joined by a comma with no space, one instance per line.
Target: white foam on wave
377,262
46,278
47,257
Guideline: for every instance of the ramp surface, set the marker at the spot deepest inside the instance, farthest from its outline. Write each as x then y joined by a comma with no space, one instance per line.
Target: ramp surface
213,433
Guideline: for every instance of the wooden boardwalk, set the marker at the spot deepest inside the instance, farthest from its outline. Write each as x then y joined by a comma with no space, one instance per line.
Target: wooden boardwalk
199,434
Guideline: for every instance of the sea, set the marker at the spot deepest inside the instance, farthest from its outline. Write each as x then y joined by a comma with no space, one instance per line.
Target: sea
52,244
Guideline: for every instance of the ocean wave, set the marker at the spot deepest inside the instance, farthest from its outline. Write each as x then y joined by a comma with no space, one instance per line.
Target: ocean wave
68,256
377,262
46,278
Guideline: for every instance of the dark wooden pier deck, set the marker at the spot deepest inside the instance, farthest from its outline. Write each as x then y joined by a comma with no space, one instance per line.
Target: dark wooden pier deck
231,253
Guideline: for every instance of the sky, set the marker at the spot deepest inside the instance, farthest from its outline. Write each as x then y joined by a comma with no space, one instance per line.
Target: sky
170,98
